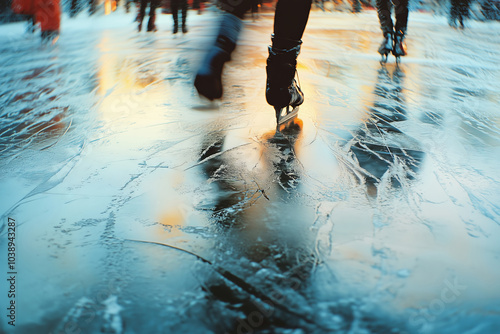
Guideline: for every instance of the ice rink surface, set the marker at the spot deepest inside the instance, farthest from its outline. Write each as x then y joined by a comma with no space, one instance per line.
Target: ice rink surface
377,210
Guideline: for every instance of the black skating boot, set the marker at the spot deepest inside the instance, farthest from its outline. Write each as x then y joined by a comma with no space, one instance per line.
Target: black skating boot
282,91
208,81
386,46
399,48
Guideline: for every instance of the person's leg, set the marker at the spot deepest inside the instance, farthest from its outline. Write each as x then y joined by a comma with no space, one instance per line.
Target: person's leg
384,16
290,21
174,7
142,13
152,14
208,81
401,7
184,15
464,11
384,8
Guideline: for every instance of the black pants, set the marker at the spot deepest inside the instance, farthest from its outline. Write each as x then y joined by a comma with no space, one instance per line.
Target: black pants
384,15
153,4
174,5
459,10
290,18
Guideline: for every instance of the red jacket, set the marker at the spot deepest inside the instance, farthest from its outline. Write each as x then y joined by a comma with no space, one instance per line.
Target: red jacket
47,12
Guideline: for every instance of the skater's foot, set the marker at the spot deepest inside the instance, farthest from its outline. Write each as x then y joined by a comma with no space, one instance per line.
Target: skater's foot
184,29
175,29
399,49
208,81
282,91
386,46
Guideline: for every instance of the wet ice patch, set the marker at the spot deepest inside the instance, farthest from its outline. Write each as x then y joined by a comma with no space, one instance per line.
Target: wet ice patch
113,322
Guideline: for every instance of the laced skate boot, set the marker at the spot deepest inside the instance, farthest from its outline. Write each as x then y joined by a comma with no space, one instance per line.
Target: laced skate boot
282,91
399,48
386,46
208,81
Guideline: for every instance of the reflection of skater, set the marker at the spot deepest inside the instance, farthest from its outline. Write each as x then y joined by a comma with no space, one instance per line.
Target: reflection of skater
264,226
459,10
381,145
153,4
175,14
282,90
393,34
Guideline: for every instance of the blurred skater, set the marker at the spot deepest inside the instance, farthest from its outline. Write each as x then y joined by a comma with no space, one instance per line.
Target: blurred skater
175,14
459,11
153,4
394,35
198,6
255,9
282,90
46,13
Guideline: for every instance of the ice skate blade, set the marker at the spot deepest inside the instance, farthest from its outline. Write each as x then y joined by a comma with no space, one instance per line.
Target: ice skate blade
287,116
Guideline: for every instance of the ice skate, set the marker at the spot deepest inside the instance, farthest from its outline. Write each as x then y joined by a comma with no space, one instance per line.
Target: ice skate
386,47
208,81
282,91
399,48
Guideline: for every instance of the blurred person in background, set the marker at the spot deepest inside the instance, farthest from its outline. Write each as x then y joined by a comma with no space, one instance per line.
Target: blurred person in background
46,13
175,14
290,20
153,4
394,34
459,11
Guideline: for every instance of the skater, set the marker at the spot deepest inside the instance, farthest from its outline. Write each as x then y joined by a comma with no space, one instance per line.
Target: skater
394,35
153,4
459,10
282,91
175,14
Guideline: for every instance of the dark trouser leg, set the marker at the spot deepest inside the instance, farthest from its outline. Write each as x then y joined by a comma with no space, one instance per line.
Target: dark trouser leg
152,14
174,6
401,8
463,10
453,12
384,15
142,13
290,20
184,5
